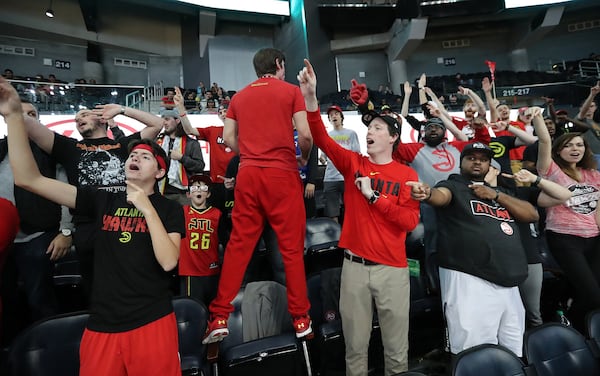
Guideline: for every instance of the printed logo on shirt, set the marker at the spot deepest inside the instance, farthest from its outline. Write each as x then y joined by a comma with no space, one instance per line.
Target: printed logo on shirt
496,212
498,148
125,221
505,227
585,198
386,187
447,161
200,224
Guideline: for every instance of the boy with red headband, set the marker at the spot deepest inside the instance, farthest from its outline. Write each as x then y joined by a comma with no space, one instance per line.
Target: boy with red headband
132,328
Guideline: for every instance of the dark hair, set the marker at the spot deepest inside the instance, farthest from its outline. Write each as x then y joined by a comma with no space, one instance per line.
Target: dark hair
265,61
587,162
156,151
27,101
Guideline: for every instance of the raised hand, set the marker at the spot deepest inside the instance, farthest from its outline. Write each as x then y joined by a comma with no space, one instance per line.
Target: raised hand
10,103
594,90
463,90
407,88
307,79
359,93
178,98
422,81
107,111
486,85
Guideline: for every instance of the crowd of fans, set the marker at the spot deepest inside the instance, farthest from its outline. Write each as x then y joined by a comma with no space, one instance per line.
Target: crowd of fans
493,158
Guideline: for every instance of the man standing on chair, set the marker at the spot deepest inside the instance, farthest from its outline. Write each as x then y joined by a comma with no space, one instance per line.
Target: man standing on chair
379,213
268,187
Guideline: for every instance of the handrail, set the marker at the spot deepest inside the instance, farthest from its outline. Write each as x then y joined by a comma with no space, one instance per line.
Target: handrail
589,68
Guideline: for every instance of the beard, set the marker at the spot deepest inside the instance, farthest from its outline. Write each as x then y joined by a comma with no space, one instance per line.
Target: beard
433,141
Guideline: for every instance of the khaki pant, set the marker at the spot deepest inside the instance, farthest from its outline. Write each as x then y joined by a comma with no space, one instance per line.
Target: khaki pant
389,288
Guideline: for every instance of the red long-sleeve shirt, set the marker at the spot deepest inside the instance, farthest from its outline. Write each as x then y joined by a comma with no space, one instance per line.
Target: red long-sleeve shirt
376,231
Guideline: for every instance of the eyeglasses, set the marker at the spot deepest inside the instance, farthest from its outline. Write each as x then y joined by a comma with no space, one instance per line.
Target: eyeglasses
201,188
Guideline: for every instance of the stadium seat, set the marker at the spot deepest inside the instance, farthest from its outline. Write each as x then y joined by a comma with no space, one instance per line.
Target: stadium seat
261,338
553,349
593,325
49,347
488,360
321,244
192,317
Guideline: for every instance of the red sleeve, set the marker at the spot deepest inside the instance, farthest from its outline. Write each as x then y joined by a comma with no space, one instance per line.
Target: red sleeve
337,154
404,211
405,153
481,135
203,133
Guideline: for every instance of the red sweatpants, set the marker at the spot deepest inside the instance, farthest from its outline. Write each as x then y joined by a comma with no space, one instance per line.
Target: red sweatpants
152,349
274,195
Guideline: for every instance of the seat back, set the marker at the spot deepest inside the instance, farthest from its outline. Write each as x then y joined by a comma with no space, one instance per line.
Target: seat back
321,234
592,320
488,360
273,355
192,318
321,244
555,349
48,347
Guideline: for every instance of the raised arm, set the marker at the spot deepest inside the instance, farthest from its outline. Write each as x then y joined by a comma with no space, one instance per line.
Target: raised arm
185,121
25,170
475,98
594,90
436,100
445,118
153,123
486,86
545,142
523,138
406,99
422,85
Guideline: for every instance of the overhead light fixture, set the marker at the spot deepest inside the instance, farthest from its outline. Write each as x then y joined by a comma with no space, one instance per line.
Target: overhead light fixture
49,11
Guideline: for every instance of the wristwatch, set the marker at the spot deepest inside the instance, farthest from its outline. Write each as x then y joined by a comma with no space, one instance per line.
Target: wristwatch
374,197
66,232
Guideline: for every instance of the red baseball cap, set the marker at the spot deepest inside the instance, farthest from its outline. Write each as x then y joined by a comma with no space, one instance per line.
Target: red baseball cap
335,107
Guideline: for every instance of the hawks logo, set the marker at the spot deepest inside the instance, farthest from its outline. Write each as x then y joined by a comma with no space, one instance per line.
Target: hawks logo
496,212
447,161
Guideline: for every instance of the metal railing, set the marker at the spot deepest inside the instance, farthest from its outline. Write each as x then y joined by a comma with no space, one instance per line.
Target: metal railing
68,98
589,68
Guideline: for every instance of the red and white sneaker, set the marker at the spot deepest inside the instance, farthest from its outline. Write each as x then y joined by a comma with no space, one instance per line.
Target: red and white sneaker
216,330
303,326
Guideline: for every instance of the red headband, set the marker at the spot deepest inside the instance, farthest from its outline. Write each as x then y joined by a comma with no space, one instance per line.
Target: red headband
159,159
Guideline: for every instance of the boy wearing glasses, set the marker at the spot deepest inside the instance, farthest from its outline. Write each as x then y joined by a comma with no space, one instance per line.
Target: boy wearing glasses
199,265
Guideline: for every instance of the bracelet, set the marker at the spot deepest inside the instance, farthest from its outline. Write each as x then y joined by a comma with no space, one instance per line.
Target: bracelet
428,197
183,115
497,195
537,181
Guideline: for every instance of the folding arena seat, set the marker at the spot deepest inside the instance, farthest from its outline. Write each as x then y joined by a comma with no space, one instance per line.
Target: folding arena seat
261,338
49,347
553,349
489,360
321,244
192,317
